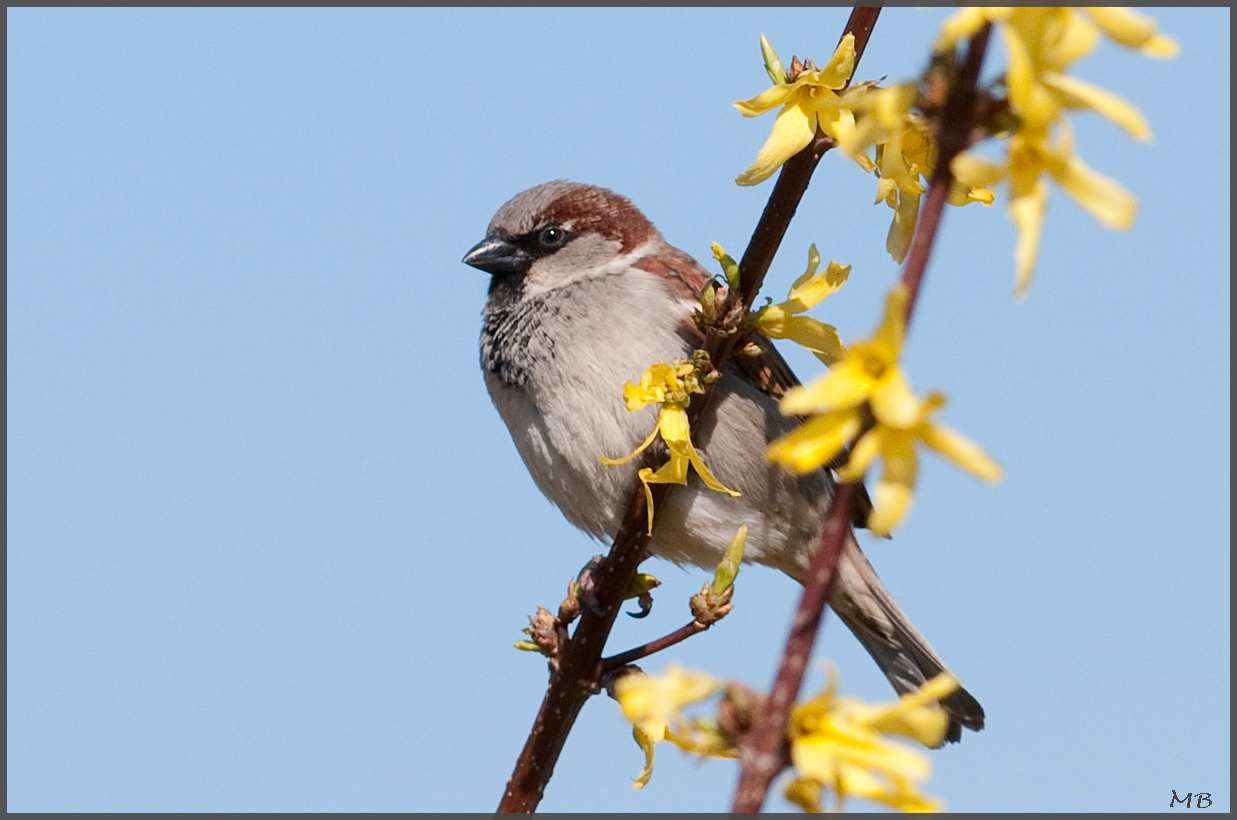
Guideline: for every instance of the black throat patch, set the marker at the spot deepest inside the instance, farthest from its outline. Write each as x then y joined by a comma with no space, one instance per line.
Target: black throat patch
513,335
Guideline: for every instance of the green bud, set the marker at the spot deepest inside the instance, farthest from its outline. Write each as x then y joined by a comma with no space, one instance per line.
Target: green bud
777,72
728,569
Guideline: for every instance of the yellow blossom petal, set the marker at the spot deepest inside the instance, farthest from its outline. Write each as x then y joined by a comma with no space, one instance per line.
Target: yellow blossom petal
792,131
1076,40
623,460
841,65
1076,93
645,740
848,384
971,170
893,494
963,195
816,442
805,794
661,698
673,425
915,715
818,337
1104,198
812,288
1028,215
893,325
1135,30
817,756
861,455
646,475
706,476
961,451
895,404
1028,97
966,23
890,504
673,471
765,101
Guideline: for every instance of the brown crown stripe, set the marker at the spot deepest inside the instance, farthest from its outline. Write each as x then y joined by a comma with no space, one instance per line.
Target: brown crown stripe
605,212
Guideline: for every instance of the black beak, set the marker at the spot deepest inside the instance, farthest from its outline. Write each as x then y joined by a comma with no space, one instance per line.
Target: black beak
497,256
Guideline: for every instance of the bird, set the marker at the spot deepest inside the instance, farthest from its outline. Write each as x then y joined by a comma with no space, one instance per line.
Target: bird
584,295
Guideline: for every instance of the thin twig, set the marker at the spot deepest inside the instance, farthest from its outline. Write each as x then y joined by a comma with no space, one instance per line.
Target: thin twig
664,642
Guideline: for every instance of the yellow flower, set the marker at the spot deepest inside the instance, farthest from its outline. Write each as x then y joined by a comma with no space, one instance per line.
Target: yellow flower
839,744
895,445
1032,155
1074,31
869,388
782,321
654,704
905,157
671,385
810,101
868,374
835,742
1041,44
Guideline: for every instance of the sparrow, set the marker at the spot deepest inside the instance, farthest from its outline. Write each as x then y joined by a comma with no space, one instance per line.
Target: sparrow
584,295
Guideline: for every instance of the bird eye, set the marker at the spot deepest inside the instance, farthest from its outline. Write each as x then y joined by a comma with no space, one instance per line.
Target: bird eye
552,237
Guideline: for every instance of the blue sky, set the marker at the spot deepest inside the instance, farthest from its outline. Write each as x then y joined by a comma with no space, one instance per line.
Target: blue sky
270,544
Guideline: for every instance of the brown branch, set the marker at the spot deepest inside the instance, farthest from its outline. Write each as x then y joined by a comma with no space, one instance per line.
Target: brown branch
792,182
860,23
956,121
761,752
578,673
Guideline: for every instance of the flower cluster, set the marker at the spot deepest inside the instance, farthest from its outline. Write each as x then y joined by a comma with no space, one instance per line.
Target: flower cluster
867,400
840,744
1041,44
857,118
671,386
837,744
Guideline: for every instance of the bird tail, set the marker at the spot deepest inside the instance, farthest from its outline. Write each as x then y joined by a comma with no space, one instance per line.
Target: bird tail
869,611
